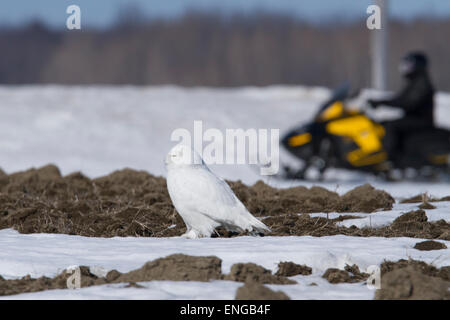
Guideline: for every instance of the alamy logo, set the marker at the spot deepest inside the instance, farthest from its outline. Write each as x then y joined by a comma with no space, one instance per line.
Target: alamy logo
74,280
74,20
374,280
235,146
374,20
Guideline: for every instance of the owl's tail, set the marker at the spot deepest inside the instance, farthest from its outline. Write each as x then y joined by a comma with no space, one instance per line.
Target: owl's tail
247,222
258,226
241,220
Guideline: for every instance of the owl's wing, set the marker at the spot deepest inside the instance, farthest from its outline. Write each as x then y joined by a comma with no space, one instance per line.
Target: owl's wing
200,190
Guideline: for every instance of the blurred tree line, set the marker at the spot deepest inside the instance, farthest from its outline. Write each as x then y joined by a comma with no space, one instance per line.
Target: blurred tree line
215,50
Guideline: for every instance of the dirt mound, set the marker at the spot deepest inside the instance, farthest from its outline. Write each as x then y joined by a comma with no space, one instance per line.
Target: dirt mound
444,273
366,199
417,216
424,198
125,203
263,200
28,284
410,284
289,269
305,225
298,225
134,285
135,203
243,272
256,291
356,273
416,199
415,224
351,274
430,245
334,275
426,206
177,267
411,224
427,269
413,280
4,179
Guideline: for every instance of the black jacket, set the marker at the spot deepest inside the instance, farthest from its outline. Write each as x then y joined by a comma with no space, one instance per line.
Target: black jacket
416,98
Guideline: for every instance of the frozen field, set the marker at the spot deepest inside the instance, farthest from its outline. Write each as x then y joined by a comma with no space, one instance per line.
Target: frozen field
44,254
97,130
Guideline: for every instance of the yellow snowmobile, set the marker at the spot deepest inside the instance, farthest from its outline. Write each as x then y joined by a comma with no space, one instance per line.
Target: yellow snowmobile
343,138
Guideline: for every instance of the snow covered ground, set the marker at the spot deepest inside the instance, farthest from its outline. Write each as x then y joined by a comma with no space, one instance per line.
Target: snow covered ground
100,129
50,254
384,218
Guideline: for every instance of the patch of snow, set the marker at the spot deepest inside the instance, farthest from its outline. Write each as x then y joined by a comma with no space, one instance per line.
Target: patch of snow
50,254
384,218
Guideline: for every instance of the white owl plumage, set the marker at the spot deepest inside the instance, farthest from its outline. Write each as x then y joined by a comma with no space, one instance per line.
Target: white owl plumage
202,199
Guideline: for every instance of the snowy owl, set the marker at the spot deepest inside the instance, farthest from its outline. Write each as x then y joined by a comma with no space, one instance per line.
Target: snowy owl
202,199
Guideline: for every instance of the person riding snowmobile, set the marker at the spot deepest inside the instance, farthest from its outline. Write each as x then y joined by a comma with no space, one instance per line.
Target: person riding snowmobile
416,99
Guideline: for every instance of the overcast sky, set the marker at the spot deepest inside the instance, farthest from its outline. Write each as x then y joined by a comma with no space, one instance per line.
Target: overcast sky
101,13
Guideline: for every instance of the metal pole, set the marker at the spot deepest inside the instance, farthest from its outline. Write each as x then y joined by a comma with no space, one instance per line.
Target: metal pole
379,47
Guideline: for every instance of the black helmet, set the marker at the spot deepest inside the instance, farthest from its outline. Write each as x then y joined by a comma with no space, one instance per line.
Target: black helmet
413,63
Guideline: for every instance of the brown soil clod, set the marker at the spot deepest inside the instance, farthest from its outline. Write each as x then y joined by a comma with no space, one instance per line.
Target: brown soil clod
112,275
289,269
334,275
243,272
256,291
415,224
413,280
176,267
135,203
416,199
424,198
351,274
426,206
430,245
356,273
366,198
28,284
4,179
134,285
417,216
304,224
264,200
124,203
410,284
423,267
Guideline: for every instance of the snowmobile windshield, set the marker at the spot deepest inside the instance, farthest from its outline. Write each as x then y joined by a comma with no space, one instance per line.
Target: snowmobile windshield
340,94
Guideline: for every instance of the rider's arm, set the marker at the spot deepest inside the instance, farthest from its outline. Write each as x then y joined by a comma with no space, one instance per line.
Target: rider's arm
410,98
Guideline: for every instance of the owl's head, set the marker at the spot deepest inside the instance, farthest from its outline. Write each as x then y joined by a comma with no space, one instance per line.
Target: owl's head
182,155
